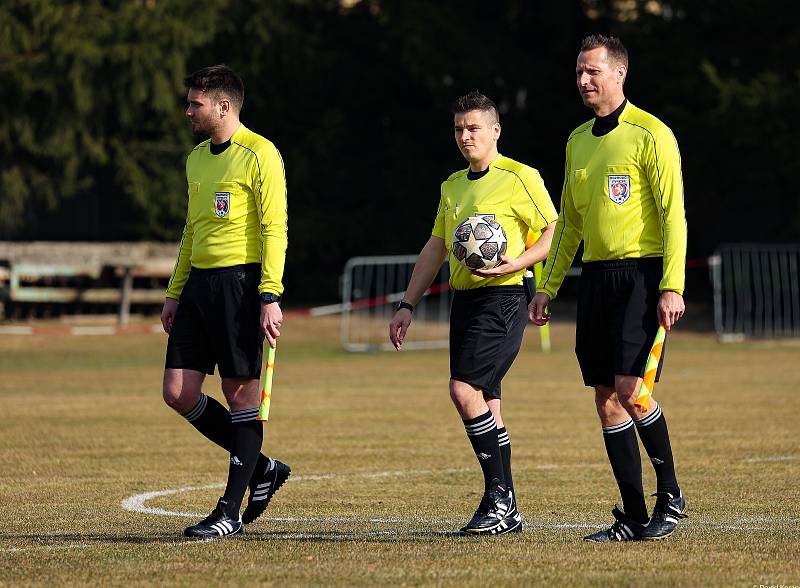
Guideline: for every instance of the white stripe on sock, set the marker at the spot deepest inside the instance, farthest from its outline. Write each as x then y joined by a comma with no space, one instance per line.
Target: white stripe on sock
481,423
617,428
650,419
198,409
486,429
248,414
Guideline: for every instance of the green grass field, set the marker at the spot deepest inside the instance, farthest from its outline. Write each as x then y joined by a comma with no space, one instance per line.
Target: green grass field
383,472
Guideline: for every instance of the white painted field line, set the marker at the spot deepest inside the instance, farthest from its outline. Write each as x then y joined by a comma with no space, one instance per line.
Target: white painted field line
772,458
137,502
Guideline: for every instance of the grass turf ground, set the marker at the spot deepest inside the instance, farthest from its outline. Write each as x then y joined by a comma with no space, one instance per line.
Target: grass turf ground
383,473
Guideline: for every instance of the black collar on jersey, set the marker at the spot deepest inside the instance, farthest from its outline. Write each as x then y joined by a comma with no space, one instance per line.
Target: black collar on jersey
471,175
605,124
217,149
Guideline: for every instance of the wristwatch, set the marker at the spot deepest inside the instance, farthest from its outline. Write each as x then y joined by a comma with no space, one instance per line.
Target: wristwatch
269,298
404,304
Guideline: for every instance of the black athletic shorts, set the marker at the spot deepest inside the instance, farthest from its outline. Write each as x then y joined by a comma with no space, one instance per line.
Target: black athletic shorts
617,318
217,323
486,328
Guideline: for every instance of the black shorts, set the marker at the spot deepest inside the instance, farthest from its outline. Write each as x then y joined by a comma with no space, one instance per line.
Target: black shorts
486,328
217,323
617,318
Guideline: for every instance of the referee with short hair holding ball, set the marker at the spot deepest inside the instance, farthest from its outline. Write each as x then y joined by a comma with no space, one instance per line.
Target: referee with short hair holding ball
224,293
623,196
488,316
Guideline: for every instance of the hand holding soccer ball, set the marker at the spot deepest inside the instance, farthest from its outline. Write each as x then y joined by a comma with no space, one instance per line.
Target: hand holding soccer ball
479,242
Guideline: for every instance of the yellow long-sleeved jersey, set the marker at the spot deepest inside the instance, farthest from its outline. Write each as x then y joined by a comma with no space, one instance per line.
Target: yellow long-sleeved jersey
237,211
623,195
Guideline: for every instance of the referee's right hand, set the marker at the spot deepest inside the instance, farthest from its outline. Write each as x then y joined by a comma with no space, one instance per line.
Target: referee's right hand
537,309
398,327
168,314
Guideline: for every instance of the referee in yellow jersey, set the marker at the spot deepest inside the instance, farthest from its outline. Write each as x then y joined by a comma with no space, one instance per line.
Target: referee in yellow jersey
488,316
623,196
224,293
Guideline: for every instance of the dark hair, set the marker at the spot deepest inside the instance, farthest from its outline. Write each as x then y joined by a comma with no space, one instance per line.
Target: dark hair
474,100
220,80
616,50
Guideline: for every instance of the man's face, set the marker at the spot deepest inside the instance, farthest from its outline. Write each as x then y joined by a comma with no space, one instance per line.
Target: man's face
202,111
599,82
476,134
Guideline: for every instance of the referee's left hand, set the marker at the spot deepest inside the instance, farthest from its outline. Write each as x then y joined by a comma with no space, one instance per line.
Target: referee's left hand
670,308
508,265
271,321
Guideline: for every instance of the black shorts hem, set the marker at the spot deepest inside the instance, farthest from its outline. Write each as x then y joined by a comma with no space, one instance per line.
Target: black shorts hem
248,376
487,394
174,365
592,381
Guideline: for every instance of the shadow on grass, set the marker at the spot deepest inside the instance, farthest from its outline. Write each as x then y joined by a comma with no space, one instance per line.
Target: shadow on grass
377,536
23,542
55,539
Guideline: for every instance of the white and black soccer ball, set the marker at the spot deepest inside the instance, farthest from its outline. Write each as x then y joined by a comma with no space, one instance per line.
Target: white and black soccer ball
479,241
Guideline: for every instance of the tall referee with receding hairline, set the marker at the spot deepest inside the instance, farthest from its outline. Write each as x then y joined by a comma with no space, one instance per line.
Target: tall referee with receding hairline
224,294
623,196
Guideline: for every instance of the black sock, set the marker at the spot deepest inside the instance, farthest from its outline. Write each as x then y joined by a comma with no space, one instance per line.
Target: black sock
505,453
247,436
626,463
214,421
482,433
655,438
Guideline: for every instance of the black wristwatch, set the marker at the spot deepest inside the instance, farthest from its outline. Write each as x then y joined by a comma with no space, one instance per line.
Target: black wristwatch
269,298
404,304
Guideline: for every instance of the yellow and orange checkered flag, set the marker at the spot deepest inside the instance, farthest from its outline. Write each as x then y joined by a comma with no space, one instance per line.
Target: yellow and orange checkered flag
266,384
650,370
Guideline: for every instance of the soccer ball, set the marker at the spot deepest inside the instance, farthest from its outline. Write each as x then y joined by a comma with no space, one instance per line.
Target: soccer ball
479,241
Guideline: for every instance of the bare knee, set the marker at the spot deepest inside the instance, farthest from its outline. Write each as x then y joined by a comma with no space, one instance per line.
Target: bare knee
607,402
180,390
463,395
241,393
627,390
628,402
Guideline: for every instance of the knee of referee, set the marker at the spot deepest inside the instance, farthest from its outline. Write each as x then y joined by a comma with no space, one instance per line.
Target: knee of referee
627,388
180,390
606,399
463,395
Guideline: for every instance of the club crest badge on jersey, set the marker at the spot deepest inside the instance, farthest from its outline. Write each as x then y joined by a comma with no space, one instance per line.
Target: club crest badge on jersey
222,203
619,188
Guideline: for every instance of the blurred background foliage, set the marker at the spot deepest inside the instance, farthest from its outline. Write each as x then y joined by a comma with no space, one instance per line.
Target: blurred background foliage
356,95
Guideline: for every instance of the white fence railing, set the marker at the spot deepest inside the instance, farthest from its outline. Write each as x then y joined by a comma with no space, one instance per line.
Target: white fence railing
372,286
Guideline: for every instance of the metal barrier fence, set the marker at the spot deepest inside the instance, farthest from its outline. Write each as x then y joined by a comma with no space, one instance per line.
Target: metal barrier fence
371,286
756,290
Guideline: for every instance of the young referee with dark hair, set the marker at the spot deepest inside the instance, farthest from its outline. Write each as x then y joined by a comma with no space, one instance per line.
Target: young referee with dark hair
623,195
224,293
488,316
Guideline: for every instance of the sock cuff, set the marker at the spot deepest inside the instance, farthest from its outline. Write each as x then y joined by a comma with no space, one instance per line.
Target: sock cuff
651,418
612,429
198,409
480,425
245,415
502,436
